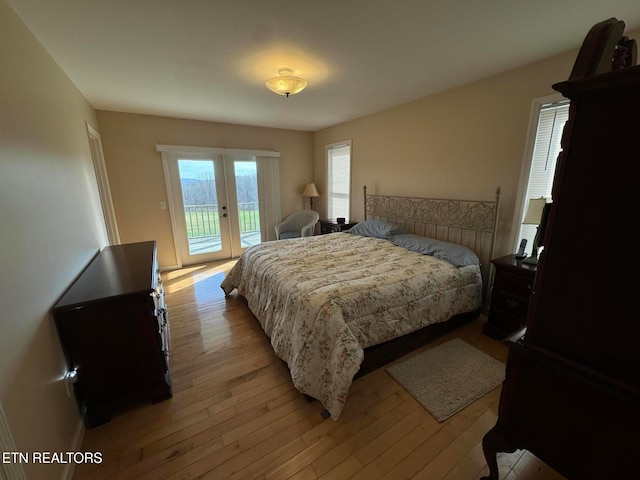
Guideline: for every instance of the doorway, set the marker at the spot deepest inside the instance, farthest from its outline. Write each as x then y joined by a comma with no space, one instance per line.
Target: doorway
244,208
213,200
109,215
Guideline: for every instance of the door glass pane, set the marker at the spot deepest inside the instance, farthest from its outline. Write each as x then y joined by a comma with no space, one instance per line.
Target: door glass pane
247,196
198,181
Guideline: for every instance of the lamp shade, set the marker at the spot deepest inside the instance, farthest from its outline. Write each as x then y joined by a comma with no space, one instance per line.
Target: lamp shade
286,83
534,211
310,190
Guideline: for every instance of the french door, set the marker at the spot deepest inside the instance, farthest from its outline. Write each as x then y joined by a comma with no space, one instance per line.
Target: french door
214,205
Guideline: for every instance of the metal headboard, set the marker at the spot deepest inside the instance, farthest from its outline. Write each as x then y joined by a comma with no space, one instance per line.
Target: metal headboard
472,223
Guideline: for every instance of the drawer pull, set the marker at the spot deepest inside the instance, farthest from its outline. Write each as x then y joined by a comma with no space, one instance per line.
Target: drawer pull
164,341
512,303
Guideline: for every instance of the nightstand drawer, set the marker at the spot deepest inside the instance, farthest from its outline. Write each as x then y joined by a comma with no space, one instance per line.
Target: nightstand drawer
511,304
519,285
503,324
510,296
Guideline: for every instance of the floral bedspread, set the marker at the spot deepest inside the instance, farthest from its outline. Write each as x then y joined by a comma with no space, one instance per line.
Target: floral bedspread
322,299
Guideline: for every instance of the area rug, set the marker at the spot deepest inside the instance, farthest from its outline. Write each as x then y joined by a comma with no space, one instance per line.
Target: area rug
448,377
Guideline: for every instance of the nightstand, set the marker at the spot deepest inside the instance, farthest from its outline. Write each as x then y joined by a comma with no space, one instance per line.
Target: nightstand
510,296
331,226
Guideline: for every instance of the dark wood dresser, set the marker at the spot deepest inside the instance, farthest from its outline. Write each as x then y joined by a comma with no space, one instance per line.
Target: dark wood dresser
114,331
572,390
510,296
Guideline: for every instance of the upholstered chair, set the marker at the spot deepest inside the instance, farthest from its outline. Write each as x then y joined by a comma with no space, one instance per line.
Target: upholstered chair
298,224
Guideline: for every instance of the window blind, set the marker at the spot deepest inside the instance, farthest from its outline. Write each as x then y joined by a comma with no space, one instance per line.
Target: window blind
338,180
543,164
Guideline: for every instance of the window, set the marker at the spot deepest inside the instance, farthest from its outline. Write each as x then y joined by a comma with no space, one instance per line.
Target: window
550,124
338,179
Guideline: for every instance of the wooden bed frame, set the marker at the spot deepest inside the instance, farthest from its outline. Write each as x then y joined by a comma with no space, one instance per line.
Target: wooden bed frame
466,222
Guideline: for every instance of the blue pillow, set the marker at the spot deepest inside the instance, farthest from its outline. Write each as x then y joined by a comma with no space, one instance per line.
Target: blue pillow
375,228
459,255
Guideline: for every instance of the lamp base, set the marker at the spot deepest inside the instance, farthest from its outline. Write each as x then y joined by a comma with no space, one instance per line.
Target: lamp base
530,260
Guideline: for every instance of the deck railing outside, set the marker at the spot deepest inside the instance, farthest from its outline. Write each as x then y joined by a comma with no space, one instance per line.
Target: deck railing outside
204,220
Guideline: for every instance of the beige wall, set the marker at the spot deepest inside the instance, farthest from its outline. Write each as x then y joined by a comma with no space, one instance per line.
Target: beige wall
51,228
461,143
137,180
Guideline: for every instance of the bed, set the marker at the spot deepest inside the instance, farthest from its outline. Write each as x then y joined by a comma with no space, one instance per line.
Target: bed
335,306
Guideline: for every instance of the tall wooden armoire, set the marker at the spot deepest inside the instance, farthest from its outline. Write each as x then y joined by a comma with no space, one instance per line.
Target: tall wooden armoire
572,391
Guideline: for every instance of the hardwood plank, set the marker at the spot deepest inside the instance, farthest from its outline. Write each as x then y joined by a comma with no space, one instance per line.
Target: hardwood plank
333,433
392,451
235,413
361,438
529,467
433,443
453,453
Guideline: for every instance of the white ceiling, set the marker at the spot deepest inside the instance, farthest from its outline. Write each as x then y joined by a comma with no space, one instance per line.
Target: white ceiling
209,59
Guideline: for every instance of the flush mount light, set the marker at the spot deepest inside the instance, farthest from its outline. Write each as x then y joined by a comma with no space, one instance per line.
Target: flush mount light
286,83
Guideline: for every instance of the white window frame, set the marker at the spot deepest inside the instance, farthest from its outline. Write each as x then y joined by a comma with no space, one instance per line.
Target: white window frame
330,194
522,199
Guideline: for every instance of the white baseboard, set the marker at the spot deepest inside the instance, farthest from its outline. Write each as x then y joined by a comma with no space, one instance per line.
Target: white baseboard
76,446
8,471
169,268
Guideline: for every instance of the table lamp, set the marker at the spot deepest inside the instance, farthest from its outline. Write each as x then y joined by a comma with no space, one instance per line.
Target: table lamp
533,217
311,192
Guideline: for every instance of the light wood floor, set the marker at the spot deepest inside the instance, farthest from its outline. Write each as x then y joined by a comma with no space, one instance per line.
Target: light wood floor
235,414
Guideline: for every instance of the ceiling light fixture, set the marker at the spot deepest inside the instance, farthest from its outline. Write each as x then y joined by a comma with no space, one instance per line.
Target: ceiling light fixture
286,83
